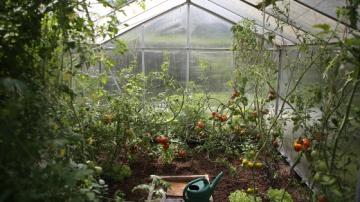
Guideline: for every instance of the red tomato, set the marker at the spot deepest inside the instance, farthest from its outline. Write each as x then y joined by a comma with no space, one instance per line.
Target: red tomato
254,114
158,139
297,146
200,124
162,139
214,114
306,143
182,153
322,198
166,146
223,118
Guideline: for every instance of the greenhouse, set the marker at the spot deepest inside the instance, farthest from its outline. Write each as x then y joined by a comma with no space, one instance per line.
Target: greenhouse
180,100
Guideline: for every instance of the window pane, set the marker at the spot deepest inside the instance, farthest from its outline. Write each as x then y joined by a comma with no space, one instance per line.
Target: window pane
131,38
168,30
177,66
304,17
208,30
212,71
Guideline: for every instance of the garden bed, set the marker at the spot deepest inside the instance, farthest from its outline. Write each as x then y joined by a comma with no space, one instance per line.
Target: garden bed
243,178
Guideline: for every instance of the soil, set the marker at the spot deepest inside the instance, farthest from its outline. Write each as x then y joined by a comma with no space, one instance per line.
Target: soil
143,167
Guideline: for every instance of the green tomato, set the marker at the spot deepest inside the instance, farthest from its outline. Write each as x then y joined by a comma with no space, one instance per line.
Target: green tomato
98,170
314,154
317,176
321,166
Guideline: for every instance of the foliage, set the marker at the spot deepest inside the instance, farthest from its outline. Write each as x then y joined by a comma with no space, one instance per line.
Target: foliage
277,195
69,116
241,196
156,189
42,45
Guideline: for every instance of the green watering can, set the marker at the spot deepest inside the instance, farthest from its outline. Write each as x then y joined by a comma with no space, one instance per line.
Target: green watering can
200,190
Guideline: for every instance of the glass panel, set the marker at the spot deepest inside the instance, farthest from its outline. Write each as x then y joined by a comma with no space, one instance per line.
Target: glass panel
131,58
235,11
135,15
304,17
168,30
208,30
212,71
177,66
329,6
131,37
293,63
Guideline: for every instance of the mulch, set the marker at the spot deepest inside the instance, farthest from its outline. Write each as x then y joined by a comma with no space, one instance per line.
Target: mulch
143,167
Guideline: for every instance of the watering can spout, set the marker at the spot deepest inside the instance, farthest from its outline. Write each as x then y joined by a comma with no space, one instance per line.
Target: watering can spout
214,183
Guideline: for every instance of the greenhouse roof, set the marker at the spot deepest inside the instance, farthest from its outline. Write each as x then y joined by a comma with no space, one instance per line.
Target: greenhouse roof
300,20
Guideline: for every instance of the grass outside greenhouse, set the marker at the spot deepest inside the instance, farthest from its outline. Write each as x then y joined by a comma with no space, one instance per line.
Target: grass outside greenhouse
134,100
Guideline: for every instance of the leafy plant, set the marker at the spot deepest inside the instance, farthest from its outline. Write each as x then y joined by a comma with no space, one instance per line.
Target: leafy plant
156,189
278,195
119,172
241,196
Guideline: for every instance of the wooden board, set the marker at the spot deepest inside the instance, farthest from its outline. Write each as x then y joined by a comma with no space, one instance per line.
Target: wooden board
176,189
177,184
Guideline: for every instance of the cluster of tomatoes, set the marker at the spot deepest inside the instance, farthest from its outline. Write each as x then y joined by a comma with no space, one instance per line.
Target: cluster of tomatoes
250,164
220,117
164,141
302,144
166,144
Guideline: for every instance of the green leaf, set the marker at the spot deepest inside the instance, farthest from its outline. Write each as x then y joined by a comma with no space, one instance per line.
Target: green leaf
104,79
121,46
327,180
325,27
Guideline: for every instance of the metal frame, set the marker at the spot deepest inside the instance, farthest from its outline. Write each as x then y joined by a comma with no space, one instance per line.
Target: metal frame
128,4
178,49
145,21
188,49
198,6
188,42
325,14
220,16
290,24
278,81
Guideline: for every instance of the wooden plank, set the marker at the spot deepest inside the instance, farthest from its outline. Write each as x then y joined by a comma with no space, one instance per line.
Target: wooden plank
177,184
176,189
182,178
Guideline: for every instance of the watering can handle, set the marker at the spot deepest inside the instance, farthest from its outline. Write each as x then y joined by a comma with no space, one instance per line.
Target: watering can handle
190,183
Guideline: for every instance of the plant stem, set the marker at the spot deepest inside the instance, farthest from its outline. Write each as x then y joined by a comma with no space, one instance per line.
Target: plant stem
345,119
